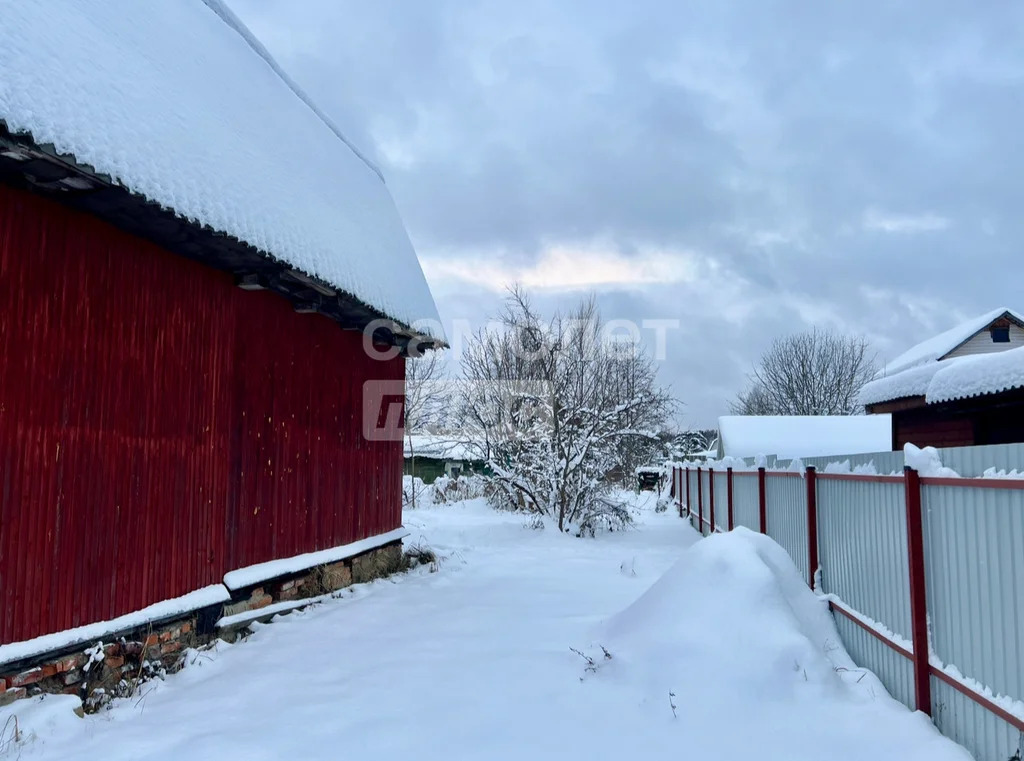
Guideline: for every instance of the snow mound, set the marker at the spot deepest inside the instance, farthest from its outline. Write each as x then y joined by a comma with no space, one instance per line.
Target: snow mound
738,593
927,462
731,642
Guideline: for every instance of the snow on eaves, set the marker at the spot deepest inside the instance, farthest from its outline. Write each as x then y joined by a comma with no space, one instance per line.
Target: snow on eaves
177,102
977,375
939,346
957,378
910,382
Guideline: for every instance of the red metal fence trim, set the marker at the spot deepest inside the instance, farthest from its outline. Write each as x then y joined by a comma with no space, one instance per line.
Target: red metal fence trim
963,689
728,495
833,605
975,483
762,501
711,498
918,598
862,477
978,698
812,525
785,473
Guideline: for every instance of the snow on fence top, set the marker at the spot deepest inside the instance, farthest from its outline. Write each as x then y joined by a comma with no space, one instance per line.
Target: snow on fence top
795,436
177,102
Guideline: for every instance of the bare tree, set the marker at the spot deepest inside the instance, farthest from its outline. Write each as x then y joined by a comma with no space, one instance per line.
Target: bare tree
753,401
550,406
423,399
815,373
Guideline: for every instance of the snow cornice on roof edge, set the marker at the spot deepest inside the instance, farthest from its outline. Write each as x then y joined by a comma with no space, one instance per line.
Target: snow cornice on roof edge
221,138
951,379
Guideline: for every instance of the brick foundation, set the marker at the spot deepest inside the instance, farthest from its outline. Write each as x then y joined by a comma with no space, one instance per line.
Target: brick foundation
113,667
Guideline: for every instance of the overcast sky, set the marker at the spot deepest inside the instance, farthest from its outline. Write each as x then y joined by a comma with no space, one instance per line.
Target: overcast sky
748,168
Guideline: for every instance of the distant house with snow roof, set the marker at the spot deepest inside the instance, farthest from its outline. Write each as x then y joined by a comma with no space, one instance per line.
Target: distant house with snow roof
191,254
430,456
960,388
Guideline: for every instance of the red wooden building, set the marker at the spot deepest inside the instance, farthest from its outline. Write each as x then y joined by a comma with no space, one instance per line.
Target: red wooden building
963,387
190,255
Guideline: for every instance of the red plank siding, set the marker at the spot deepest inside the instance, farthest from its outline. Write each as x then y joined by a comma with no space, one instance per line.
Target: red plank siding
934,431
160,427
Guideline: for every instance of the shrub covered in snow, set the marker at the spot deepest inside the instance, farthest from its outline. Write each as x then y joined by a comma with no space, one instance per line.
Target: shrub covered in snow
553,406
413,492
443,491
447,490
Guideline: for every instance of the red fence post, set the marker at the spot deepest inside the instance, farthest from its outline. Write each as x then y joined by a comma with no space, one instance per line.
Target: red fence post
711,501
728,494
679,490
676,485
812,524
688,510
918,598
762,502
700,504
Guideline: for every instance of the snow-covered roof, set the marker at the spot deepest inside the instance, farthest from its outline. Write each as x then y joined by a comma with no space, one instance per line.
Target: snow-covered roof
923,372
939,346
957,378
790,436
913,381
977,375
178,102
438,447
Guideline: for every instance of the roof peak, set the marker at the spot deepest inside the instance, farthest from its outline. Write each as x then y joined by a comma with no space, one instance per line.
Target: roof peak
228,17
938,346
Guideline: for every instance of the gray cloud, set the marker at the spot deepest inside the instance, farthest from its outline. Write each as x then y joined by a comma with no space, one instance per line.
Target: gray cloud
855,165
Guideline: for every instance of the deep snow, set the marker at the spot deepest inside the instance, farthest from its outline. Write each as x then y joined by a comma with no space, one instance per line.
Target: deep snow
474,662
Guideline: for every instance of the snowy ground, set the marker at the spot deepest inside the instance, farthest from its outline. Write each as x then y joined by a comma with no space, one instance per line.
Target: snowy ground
474,662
